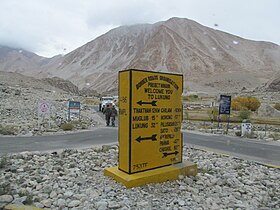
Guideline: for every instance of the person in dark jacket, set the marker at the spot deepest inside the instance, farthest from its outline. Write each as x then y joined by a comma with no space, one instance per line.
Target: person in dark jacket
114,113
108,112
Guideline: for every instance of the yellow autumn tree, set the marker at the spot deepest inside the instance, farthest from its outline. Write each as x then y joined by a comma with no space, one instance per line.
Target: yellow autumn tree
253,103
242,102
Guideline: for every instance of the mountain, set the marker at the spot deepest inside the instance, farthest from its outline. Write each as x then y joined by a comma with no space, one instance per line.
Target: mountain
209,59
22,61
273,85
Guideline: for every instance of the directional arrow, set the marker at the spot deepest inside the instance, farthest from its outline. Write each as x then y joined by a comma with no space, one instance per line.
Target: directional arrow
165,154
153,103
153,138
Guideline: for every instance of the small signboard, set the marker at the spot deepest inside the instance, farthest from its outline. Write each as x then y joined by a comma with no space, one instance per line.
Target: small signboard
44,108
74,107
150,116
246,128
225,103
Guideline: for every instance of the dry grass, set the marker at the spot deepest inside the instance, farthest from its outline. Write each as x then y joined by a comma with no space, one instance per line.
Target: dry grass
90,101
202,115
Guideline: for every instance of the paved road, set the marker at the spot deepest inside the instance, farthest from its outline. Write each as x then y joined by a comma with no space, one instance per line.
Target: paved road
263,152
84,139
247,149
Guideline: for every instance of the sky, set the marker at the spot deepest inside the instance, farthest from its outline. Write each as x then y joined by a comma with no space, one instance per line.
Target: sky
52,27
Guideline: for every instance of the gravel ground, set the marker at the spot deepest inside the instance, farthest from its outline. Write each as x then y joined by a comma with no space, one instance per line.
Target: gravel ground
19,98
73,179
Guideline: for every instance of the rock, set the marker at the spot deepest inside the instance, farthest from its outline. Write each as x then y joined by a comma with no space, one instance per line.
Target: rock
39,205
47,189
61,203
13,169
53,194
105,148
19,200
2,205
193,190
68,194
17,92
101,205
39,187
6,199
47,203
113,205
97,169
181,203
74,203
181,177
143,204
20,170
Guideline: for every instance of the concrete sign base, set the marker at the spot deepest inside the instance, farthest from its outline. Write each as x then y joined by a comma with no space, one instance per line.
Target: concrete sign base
167,173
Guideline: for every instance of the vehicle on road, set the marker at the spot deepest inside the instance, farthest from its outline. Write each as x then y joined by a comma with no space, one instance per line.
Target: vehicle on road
104,101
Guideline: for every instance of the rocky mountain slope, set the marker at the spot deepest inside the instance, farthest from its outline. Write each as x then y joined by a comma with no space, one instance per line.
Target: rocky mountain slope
210,60
21,61
274,84
62,84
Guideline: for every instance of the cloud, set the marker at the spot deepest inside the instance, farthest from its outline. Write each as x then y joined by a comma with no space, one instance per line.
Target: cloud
123,12
41,26
48,27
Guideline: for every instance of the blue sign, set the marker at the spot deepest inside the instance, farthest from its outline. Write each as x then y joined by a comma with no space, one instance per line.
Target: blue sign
74,107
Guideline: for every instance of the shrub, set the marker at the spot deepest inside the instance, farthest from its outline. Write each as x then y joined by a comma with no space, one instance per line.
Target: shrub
251,135
75,122
244,114
192,97
250,103
274,136
215,113
236,105
3,162
253,103
5,188
277,106
90,101
238,133
8,130
185,115
67,127
28,200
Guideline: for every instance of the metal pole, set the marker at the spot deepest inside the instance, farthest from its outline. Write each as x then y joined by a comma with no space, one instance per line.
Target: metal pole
39,127
68,111
50,116
212,120
218,122
228,123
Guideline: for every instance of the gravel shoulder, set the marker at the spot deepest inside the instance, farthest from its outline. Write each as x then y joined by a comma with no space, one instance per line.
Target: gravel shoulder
73,179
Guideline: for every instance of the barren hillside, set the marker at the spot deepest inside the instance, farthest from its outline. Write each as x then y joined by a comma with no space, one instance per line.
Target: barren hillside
210,60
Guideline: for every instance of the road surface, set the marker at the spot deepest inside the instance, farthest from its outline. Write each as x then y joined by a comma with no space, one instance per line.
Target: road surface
263,152
267,153
85,139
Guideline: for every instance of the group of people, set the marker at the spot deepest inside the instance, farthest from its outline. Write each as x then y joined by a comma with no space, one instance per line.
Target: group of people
110,114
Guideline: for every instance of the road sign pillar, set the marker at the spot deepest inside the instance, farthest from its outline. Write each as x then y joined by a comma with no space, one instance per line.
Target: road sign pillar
150,138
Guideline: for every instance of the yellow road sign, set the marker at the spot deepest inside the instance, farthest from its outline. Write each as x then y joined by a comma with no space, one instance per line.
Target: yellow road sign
149,120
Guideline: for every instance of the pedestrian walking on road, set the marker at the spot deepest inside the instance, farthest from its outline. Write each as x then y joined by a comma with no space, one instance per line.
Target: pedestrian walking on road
114,113
108,112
